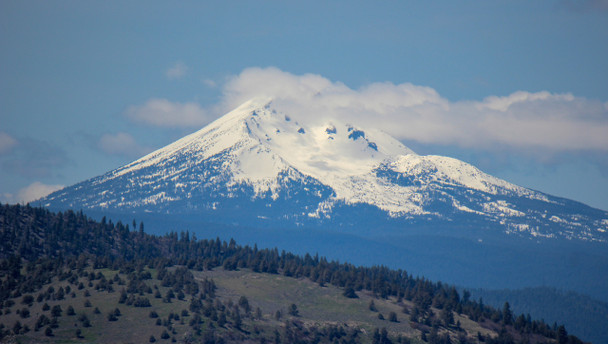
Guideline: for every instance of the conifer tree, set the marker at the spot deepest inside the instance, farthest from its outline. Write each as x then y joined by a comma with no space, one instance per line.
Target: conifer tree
507,315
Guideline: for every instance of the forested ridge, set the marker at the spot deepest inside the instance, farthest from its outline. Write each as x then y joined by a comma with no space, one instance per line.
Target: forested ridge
38,245
583,315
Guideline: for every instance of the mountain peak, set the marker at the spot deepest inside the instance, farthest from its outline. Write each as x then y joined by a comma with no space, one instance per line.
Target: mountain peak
290,168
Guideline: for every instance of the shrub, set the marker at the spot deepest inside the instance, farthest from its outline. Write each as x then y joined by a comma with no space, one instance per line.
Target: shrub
25,313
372,306
17,327
142,302
27,300
350,293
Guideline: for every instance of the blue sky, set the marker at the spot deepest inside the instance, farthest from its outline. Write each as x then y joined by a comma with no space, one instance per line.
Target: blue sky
517,88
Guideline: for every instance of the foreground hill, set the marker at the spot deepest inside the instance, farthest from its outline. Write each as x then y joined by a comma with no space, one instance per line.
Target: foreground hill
331,187
68,278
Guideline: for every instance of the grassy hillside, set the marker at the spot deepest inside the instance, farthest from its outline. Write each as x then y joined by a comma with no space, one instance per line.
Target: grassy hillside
323,312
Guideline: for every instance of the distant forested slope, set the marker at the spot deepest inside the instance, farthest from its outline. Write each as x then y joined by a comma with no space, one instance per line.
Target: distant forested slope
585,316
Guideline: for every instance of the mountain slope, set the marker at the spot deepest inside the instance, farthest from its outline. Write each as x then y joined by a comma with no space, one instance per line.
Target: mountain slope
260,167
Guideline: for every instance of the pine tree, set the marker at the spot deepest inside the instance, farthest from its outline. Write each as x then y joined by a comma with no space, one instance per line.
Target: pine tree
447,317
221,321
376,336
56,311
561,335
238,322
293,310
507,315
372,306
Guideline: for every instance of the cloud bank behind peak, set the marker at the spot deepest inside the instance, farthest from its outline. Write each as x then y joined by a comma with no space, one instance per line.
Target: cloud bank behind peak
535,120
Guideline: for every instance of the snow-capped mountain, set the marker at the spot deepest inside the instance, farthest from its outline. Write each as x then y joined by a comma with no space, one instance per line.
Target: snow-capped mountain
258,165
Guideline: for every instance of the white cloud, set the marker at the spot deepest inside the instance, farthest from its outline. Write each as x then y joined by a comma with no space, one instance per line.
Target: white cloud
121,144
177,71
522,120
520,97
6,142
30,193
163,113
209,83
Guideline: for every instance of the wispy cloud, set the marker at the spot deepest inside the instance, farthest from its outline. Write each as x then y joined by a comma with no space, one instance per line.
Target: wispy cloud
30,193
121,144
164,113
177,71
7,142
585,5
33,158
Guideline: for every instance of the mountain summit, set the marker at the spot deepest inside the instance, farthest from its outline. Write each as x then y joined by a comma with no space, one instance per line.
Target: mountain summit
260,166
